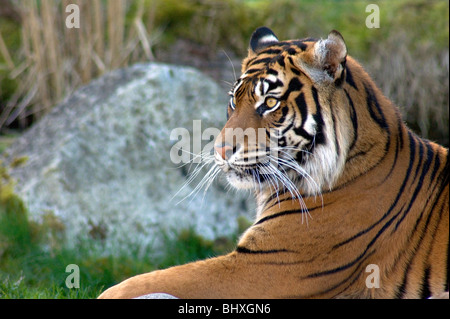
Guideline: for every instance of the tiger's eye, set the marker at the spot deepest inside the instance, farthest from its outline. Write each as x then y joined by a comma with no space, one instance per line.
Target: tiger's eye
271,102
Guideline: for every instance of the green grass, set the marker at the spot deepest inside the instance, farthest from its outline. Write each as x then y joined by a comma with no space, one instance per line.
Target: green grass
31,271
34,257
30,268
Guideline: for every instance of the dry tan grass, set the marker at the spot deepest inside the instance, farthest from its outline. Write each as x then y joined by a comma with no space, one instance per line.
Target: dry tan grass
55,59
417,81
5,53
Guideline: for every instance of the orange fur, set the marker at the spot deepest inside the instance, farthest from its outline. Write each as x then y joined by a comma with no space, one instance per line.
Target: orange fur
383,202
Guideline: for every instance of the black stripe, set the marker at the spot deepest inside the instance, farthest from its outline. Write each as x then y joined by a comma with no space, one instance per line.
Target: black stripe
284,113
425,289
354,118
341,268
420,161
425,169
284,213
293,86
444,180
271,51
444,175
361,153
272,71
261,86
273,85
401,290
448,265
336,142
329,289
319,137
397,150
280,60
356,271
238,94
437,165
400,136
302,132
376,113
253,70
250,61
398,147
349,78
262,60
302,46
374,108
295,71
291,51
244,250
278,202
301,106
287,44
274,196
361,256
287,128
291,61
394,204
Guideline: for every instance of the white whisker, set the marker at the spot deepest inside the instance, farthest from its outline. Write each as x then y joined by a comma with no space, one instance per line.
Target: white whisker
205,180
232,66
280,173
192,176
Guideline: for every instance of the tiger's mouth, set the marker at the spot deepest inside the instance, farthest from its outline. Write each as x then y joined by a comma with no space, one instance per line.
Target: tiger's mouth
268,172
272,167
298,170
245,177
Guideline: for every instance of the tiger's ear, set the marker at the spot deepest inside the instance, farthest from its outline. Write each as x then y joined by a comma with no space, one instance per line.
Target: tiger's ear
328,58
261,38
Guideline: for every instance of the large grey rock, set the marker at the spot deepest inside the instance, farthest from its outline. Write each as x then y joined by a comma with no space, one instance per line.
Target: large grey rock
100,163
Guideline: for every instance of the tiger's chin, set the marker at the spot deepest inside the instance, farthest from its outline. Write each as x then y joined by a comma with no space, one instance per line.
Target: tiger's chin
253,179
242,180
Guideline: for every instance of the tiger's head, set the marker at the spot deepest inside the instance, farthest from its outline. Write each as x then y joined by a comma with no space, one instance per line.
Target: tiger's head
287,116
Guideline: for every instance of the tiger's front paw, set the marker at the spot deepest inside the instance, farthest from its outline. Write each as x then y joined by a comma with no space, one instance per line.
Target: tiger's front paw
125,290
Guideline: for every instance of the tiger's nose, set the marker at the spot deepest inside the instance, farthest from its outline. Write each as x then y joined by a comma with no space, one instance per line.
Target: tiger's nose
225,151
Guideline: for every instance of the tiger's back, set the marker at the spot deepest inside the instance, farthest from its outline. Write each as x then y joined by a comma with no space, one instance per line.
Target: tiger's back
351,203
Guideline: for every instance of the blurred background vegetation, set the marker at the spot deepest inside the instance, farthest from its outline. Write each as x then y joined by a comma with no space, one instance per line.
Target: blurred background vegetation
42,62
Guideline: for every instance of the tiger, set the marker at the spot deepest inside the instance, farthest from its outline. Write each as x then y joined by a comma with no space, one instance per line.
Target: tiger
350,202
